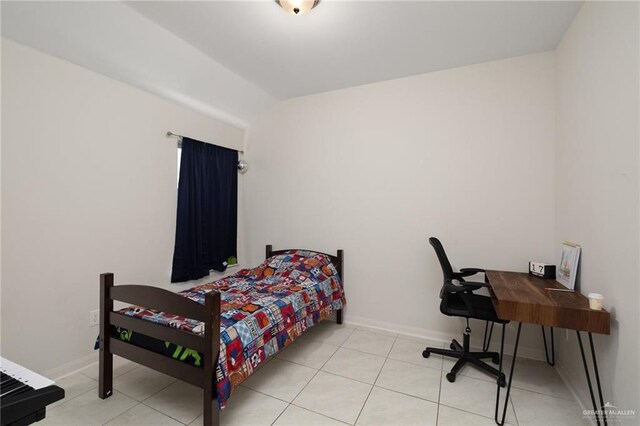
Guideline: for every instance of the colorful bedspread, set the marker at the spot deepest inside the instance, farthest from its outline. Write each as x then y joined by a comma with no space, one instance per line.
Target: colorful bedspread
263,309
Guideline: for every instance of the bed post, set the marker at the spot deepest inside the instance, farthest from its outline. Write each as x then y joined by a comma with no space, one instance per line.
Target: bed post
105,382
212,349
339,267
268,251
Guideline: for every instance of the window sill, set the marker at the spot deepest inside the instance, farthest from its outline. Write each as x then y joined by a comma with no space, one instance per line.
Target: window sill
213,271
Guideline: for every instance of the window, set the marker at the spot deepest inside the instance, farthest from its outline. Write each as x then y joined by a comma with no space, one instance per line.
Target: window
218,251
232,260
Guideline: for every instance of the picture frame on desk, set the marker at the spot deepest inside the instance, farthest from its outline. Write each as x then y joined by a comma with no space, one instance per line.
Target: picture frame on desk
568,268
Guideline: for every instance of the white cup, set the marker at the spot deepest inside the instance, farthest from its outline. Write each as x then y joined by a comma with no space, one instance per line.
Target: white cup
595,301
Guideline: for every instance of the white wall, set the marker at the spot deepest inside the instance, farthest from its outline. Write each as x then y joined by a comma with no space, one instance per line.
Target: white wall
597,185
465,154
88,186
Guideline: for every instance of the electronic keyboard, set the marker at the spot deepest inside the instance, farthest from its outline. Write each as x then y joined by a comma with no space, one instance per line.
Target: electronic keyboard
24,394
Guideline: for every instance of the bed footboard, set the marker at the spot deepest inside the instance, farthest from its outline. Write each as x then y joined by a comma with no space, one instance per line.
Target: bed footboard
166,301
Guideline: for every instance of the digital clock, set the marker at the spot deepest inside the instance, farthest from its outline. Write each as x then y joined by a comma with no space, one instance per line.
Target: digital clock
543,270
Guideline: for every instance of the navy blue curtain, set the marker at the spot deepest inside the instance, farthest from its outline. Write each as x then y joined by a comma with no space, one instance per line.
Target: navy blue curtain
206,225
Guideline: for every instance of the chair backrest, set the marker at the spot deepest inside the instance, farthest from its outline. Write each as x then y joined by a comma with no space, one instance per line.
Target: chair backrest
447,270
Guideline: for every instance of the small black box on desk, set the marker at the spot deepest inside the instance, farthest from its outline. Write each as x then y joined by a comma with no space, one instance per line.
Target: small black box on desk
543,270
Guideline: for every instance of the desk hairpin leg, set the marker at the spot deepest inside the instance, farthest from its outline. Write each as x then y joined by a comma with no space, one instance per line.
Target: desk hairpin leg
553,349
595,370
513,364
487,341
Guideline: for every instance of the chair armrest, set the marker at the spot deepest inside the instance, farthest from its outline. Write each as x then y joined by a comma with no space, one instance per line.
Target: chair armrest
477,284
466,272
460,288
463,291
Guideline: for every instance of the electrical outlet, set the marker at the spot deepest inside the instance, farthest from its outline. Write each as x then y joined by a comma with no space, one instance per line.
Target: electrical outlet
94,318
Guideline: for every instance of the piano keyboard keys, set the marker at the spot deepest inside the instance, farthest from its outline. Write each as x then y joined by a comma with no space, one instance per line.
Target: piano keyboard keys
23,375
24,395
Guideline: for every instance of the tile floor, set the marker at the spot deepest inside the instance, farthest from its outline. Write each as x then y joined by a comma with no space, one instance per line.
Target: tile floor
334,375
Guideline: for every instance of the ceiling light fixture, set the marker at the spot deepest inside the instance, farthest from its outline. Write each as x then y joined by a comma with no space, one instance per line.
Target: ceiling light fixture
298,7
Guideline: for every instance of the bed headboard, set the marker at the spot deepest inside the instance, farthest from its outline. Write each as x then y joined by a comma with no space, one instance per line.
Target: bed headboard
337,260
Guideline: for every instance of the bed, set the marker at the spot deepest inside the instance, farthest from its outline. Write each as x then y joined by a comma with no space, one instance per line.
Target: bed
215,335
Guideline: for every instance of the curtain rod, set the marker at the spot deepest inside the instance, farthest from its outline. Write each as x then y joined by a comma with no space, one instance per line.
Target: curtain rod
171,134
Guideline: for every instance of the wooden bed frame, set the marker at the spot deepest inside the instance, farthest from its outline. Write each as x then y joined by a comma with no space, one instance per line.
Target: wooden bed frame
167,301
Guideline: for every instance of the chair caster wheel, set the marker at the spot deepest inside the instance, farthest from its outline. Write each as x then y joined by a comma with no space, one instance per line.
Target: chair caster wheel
502,382
452,347
426,354
495,359
451,377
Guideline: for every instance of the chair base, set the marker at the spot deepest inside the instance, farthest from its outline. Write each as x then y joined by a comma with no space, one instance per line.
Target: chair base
465,356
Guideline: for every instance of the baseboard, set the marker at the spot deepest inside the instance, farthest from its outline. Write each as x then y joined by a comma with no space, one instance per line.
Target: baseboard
438,336
58,373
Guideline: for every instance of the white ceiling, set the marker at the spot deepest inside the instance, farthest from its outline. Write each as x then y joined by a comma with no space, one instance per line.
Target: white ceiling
112,39
347,43
233,59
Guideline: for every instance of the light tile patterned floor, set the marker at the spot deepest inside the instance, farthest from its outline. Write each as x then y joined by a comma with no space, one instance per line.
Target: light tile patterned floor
335,374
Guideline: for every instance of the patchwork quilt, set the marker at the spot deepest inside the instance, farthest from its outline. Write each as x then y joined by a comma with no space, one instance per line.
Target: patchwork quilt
263,310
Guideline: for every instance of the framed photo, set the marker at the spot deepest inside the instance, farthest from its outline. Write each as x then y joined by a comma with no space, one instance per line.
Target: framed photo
569,265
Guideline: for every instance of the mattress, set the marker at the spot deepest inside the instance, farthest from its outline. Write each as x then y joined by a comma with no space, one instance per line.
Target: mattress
263,310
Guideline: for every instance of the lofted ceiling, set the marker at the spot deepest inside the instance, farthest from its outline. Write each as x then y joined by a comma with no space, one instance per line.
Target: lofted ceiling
233,59
347,43
112,39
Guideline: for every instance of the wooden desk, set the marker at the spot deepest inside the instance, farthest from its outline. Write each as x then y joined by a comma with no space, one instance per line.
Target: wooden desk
521,297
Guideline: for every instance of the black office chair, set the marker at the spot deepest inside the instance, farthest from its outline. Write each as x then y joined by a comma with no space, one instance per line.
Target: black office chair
458,300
